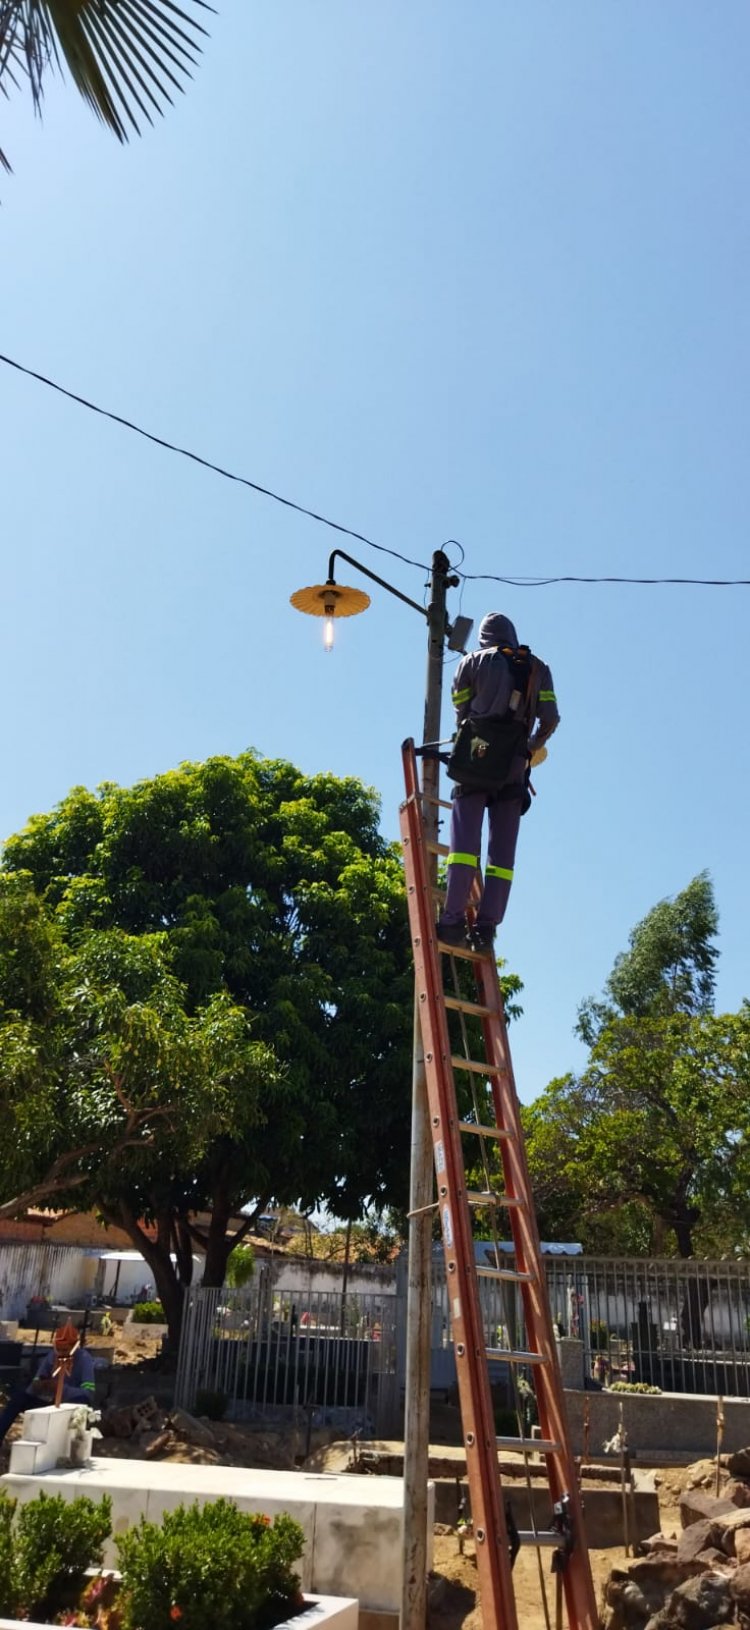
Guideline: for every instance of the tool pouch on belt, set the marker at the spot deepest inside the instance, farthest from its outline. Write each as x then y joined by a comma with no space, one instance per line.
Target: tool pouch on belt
484,751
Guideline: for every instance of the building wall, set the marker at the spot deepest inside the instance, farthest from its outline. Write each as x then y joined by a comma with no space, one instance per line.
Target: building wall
304,1273
59,1272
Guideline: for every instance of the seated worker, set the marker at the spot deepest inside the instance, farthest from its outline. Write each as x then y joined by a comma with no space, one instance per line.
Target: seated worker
78,1383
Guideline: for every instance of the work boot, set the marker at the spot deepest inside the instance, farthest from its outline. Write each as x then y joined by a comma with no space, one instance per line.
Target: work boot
482,936
452,933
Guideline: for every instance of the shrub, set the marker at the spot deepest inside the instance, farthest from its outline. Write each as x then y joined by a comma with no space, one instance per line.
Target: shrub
241,1266
7,1597
210,1403
45,1551
633,1386
148,1313
210,1564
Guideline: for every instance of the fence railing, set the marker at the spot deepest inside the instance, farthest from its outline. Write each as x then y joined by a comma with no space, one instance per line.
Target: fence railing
314,1357
681,1325
330,1357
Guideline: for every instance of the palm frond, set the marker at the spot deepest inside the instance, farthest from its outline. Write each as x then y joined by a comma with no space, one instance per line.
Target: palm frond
125,57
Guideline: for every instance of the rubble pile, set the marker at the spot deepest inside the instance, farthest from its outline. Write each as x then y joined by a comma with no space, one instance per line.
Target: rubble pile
699,1580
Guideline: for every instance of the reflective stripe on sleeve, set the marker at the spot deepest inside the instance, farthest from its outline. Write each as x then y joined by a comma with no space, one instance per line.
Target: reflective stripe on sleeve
88,1386
458,859
547,696
460,696
505,872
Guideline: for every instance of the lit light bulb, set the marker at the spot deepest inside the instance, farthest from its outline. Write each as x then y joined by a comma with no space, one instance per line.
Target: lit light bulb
328,634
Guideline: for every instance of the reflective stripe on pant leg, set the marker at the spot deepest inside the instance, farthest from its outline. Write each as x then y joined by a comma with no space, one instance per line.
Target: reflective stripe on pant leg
504,820
465,839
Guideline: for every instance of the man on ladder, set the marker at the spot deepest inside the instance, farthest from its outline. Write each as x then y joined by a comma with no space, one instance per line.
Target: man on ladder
505,712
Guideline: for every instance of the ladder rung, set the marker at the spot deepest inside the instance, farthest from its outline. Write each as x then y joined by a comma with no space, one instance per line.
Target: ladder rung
511,1274
484,1131
487,1197
436,848
513,1355
539,1446
543,1536
460,950
475,1009
442,803
477,1068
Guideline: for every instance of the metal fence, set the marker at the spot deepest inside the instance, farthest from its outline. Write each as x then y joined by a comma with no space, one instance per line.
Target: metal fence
292,1356
681,1326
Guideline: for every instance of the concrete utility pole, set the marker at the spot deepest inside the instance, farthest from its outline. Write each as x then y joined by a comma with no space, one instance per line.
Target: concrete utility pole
421,1189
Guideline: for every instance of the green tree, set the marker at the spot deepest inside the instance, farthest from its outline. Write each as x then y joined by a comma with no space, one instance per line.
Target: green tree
651,1141
259,897
125,57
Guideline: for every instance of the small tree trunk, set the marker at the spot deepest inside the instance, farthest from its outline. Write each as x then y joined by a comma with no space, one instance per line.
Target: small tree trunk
156,1253
218,1243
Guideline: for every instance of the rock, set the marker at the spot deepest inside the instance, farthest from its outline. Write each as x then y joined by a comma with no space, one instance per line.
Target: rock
742,1546
147,1416
725,1528
701,1603
738,1464
626,1607
160,1441
696,1503
191,1430
117,1423
695,1539
658,1542
634,1594
738,1492
712,1558
740,1589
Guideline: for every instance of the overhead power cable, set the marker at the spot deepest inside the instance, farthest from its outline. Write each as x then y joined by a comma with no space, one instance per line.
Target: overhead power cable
543,582
348,531
197,458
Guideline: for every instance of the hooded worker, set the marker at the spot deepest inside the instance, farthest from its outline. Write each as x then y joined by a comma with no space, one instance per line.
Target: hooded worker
67,1367
505,712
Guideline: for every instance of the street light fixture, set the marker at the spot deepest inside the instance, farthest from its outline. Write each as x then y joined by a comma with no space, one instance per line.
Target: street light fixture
331,600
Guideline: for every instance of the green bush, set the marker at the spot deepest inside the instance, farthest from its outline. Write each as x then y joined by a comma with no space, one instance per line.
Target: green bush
148,1313
210,1403
241,1266
633,1386
7,1597
45,1549
210,1564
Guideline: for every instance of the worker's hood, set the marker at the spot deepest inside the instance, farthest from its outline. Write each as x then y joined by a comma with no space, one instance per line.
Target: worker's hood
495,629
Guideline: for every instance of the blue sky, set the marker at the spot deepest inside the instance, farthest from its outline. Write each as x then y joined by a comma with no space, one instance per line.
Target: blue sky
471,271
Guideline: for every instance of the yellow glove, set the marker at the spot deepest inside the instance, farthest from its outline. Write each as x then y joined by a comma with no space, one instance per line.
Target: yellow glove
538,757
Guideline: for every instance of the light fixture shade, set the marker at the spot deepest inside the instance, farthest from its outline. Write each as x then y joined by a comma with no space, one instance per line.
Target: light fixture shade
330,600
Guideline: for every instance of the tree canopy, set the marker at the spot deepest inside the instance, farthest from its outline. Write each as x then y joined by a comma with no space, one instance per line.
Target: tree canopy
205,991
650,1144
125,57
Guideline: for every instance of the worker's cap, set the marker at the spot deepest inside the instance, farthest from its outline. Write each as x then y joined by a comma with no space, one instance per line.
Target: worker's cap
65,1339
495,629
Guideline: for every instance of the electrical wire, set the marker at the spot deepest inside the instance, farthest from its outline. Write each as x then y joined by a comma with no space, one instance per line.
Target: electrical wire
348,531
229,475
648,582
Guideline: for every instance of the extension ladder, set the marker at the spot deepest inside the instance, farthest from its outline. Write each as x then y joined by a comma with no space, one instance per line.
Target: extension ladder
495,1123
